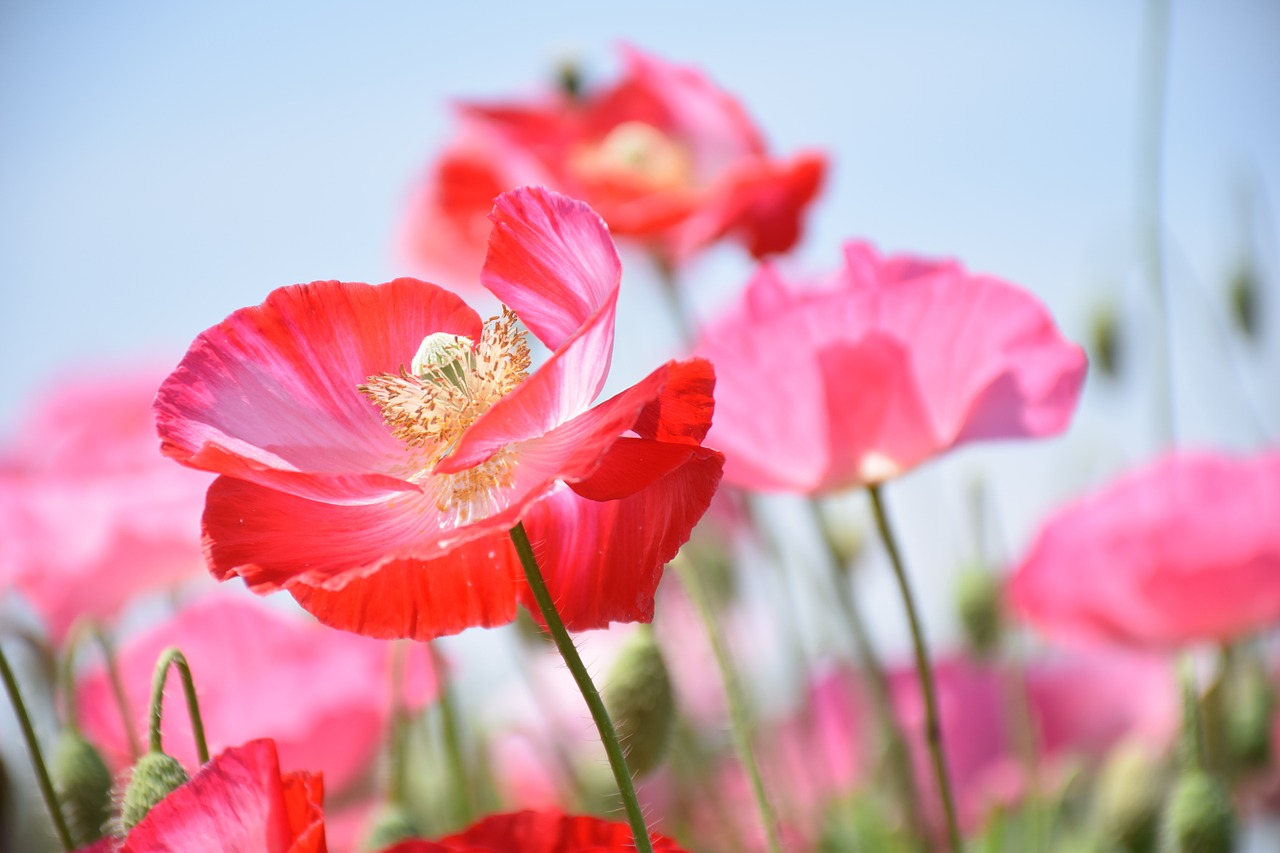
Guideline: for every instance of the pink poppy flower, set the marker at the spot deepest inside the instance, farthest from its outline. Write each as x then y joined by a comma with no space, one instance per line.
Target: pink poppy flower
892,362
665,156
91,514
536,832
239,802
1184,550
381,496
323,696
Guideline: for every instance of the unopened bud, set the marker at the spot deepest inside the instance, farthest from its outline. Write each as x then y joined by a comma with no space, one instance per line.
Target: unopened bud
1199,816
1250,709
1127,800
979,602
390,825
154,777
83,783
1243,297
569,77
640,701
1106,341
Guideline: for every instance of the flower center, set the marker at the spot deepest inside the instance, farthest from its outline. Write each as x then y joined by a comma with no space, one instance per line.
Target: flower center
636,153
451,382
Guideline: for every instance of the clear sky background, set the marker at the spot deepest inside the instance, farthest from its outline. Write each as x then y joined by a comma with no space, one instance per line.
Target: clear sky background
162,164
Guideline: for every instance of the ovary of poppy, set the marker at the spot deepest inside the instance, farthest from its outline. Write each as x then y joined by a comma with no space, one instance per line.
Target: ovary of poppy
377,443
891,362
91,515
1183,550
239,802
323,696
537,832
665,156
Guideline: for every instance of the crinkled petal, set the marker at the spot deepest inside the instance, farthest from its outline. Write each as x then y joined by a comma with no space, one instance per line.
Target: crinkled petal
269,395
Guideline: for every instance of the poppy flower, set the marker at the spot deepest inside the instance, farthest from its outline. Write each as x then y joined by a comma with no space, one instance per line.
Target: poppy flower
1184,550
536,832
90,514
239,802
381,496
893,361
259,672
664,155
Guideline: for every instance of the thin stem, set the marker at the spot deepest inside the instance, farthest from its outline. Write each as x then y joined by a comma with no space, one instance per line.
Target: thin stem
117,690
671,290
397,742
451,732
608,735
896,753
37,759
67,679
171,656
933,728
739,716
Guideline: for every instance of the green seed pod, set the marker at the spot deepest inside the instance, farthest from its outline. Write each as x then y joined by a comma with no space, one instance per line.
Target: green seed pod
1127,800
639,698
390,825
83,783
980,606
1106,341
154,777
1243,297
1199,816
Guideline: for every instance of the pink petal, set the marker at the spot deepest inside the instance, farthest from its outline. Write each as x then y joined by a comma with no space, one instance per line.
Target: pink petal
269,395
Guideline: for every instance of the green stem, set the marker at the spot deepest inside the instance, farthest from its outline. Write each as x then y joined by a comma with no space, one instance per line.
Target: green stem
896,752
171,656
932,726
739,717
452,734
67,678
37,759
608,735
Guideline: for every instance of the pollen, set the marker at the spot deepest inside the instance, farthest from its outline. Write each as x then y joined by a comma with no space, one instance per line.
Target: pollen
450,383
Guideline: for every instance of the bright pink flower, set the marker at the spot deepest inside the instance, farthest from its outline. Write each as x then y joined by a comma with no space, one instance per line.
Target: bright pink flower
323,696
381,498
893,362
1184,550
663,155
91,514
537,832
239,802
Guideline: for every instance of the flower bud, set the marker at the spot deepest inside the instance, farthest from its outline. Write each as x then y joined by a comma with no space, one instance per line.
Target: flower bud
1127,800
1243,297
1250,708
1106,341
83,783
1199,816
154,777
979,603
390,825
640,701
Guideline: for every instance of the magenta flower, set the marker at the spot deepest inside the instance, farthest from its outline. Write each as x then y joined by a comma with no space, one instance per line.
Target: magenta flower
890,363
1184,550
377,443
91,514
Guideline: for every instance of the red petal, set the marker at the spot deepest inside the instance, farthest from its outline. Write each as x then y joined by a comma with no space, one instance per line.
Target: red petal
537,832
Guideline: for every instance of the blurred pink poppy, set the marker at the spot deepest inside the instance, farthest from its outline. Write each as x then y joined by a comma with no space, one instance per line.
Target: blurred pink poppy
890,363
1184,550
91,514
323,696
665,156
382,499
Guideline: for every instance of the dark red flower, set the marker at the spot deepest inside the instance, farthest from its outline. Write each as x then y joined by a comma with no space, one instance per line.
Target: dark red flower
537,832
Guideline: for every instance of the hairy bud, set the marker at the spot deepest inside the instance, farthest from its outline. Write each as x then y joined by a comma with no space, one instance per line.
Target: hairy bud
154,777
640,701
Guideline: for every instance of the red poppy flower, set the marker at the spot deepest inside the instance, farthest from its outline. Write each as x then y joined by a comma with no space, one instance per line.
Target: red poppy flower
90,514
239,802
536,832
893,362
1182,551
259,673
381,496
664,155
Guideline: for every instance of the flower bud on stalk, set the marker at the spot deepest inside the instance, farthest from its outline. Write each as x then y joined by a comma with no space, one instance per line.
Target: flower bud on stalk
1106,341
979,602
83,783
1250,709
154,777
639,697
1199,816
1243,298
1128,797
390,825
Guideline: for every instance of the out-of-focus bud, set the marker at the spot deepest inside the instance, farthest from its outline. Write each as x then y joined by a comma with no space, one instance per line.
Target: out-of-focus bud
569,76
154,777
390,825
1243,295
1127,800
979,602
1199,816
1106,341
844,536
1250,709
639,697
83,783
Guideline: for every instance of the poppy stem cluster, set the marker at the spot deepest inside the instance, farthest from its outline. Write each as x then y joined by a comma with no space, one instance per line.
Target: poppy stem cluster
564,643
